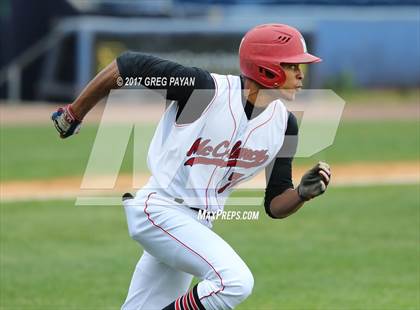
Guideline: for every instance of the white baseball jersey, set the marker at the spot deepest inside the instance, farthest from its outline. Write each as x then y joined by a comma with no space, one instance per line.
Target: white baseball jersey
203,161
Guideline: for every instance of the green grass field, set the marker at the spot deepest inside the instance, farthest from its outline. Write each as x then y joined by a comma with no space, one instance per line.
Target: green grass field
37,152
352,248
336,253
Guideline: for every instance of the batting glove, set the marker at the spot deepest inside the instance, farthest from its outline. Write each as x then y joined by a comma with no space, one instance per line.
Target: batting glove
66,122
315,181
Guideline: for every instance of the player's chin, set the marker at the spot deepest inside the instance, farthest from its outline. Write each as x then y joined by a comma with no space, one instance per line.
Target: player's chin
288,94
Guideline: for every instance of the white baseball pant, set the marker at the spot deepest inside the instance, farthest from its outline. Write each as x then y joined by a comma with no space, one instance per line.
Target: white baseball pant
178,246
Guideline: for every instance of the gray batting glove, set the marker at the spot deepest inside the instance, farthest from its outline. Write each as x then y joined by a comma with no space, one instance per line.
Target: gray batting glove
315,181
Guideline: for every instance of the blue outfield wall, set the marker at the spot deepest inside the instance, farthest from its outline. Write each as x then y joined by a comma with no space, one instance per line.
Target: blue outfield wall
370,53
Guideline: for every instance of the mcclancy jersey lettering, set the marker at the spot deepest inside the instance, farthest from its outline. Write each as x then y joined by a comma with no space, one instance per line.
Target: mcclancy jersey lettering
236,157
208,159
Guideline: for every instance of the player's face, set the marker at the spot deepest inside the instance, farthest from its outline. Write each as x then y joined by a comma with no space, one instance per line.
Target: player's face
294,81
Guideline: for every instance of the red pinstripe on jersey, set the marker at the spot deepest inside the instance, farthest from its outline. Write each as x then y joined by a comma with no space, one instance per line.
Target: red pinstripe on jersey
208,106
230,141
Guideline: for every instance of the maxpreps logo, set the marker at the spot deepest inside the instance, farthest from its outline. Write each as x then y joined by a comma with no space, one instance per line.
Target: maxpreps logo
202,152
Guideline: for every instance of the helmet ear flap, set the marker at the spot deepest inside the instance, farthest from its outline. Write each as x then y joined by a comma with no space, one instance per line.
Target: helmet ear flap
268,76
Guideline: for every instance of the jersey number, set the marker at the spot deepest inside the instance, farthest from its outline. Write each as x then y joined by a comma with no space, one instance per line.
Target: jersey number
234,178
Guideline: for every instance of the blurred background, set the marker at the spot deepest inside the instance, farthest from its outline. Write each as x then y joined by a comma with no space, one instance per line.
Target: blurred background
356,247
52,48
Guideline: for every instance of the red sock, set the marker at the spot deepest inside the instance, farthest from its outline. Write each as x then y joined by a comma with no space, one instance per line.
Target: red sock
189,301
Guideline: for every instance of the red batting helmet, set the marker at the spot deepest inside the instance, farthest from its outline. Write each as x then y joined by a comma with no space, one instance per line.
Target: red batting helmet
265,47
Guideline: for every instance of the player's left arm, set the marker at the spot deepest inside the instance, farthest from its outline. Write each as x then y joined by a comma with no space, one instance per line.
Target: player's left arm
281,198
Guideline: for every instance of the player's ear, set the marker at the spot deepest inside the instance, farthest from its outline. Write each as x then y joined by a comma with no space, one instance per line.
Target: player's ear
268,74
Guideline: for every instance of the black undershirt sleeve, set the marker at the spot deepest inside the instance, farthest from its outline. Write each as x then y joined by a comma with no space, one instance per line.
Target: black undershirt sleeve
279,172
140,65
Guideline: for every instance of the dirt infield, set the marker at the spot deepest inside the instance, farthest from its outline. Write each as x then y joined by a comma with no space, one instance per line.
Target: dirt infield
30,114
357,174
343,175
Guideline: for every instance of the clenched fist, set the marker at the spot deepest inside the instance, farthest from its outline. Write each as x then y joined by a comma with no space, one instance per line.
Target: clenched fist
66,122
315,181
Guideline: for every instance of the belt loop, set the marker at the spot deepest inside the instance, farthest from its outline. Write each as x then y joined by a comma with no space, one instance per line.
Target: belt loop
179,200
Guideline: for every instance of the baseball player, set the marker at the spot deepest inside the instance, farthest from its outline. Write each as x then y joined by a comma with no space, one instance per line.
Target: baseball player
202,148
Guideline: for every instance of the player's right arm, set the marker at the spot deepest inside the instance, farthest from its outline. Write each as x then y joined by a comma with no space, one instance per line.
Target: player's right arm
67,120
